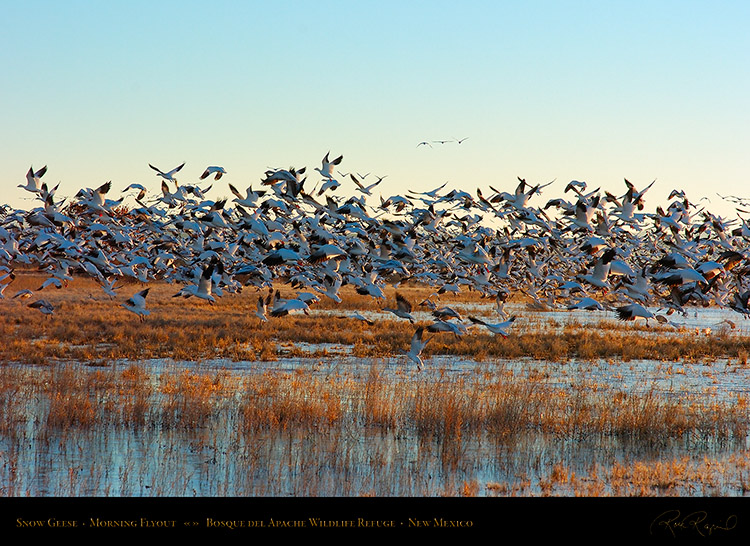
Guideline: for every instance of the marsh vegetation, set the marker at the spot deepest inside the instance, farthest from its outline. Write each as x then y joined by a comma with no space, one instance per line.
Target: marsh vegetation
203,400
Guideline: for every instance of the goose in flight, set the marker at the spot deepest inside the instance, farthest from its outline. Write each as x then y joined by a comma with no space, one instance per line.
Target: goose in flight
634,311
416,347
262,308
201,290
218,172
44,306
250,199
23,294
588,304
455,328
33,182
326,169
282,307
499,328
168,175
358,316
137,304
600,274
141,191
403,308
365,189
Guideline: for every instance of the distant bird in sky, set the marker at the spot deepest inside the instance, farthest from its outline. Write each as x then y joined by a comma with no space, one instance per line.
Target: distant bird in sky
461,140
365,189
424,143
218,172
167,175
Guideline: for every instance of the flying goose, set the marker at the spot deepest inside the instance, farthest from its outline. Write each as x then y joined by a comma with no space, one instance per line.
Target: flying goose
416,347
168,175
499,328
403,308
218,172
137,304
44,306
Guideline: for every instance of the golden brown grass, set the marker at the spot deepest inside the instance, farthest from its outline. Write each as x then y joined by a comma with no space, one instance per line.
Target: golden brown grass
89,327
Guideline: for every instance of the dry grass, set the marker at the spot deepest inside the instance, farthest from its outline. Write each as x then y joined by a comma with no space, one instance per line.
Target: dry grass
90,327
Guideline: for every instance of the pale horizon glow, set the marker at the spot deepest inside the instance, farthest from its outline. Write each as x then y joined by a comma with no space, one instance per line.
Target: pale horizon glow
544,90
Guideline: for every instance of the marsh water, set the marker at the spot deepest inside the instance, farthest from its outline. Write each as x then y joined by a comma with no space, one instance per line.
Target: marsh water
219,456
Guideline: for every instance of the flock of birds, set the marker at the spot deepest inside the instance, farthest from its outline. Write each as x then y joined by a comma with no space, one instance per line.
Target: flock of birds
588,249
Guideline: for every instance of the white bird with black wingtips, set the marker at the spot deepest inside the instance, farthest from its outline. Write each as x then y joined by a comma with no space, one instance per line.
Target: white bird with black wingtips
499,328
137,304
203,289
217,171
33,182
417,346
326,168
169,175
634,311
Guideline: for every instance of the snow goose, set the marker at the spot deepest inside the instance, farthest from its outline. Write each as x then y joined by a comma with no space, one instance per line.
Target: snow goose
417,346
23,294
357,316
588,304
33,182
250,199
326,168
203,289
498,328
284,307
633,311
457,329
262,308
598,277
169,175
403,308
137,304
44,306
218,172
362,188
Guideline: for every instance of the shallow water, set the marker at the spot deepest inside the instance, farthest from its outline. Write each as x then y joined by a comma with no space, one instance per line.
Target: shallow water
217,460
220,458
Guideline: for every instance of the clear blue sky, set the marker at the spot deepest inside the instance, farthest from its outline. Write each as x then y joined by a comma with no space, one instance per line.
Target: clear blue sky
594,91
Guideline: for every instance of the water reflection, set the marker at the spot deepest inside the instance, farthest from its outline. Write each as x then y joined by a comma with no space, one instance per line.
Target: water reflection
217,454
